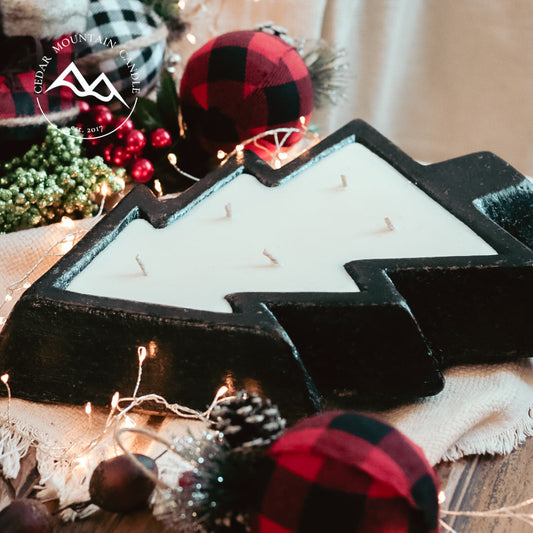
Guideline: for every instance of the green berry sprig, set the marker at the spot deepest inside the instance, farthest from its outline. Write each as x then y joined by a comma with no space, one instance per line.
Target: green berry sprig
51,180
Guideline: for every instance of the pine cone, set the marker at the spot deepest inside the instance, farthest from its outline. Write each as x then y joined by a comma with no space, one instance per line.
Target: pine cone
248,420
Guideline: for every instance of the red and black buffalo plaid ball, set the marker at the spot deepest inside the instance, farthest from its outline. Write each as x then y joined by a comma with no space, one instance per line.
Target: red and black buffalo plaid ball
241,84
346,472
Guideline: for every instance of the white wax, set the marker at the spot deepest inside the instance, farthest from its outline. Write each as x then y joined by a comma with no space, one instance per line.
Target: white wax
310,224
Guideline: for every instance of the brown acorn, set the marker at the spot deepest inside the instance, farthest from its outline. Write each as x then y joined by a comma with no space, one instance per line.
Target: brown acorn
26,516
120,486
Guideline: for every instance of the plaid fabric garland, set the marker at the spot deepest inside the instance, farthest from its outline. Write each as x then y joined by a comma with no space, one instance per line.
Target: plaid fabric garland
21,59
347,472
241,84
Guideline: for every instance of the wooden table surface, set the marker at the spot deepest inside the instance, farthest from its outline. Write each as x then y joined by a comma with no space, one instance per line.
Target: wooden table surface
480,483
477,483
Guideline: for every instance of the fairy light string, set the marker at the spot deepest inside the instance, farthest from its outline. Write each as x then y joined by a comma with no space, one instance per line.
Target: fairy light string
508,511
117,427
86,451
279,143
67,241
117,412
57,249
184,412
278,156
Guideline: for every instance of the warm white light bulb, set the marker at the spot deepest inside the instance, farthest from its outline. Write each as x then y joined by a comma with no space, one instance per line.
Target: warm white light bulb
5,378
152,349
141,352
67,222
221,391
88,408
172,159
221,154
158,188
114,400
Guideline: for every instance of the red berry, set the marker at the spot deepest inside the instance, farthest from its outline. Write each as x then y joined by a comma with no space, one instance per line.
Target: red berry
124,125
161,138
120,156
93,140
142,170
135,141
108,150
84,107
102,116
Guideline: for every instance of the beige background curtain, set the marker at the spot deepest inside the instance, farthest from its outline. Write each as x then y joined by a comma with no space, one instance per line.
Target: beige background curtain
440,78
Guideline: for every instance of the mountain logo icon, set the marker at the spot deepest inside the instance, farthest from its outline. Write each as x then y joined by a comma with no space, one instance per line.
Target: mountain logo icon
86,88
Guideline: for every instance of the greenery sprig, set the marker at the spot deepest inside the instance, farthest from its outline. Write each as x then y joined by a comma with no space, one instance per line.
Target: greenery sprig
51,180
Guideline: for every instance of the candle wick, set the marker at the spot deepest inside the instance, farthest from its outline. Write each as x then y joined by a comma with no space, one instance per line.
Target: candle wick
141,265
343,181
390,225
271,257
227,207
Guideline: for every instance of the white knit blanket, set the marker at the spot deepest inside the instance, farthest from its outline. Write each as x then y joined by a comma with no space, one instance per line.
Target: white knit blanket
482,409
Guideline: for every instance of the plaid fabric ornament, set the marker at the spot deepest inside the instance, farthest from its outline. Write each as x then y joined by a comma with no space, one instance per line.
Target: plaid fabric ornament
347,472
127,43
241,84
